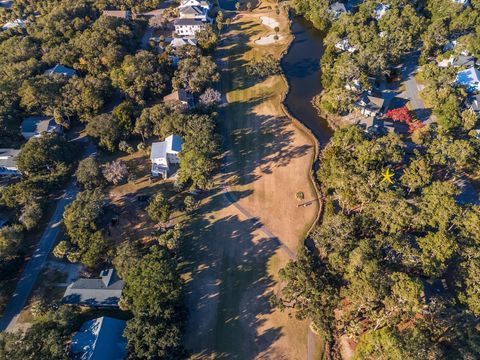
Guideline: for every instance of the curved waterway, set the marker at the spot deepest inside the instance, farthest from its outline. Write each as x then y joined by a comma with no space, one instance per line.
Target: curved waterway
301,66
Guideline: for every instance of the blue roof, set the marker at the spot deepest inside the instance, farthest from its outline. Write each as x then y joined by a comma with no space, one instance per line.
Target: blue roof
100,339
61,70
470,78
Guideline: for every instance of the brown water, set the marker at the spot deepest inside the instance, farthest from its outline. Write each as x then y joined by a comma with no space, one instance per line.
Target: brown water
301,66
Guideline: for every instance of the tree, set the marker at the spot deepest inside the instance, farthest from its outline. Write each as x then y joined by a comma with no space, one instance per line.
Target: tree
81,220
309,291
89,174
249,6
237,6
210,98
418,174
31,215
207,38
190,204
141,76
115,171
11,237
42,94
264,67
105,129
158,208
125,113
47,157
196,74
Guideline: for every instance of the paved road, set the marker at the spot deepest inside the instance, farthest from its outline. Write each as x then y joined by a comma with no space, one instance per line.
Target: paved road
37,261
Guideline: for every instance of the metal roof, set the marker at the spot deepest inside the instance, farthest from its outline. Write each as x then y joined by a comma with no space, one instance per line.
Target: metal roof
100,339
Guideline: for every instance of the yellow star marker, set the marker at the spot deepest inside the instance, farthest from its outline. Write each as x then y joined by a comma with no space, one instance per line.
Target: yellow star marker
387,176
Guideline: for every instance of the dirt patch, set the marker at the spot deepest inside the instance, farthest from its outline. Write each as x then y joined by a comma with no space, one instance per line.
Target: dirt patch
268,21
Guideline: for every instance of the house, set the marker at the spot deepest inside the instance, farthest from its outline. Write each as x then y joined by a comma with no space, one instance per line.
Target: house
189,27
457,61
473,103
461,2
164,154
337,9
380,10
100,339
35,126
122,14
60,70
195,12
369,105
8,161
13,24
103,292
199,3
180,95
6,4
470,78
179,42
343,45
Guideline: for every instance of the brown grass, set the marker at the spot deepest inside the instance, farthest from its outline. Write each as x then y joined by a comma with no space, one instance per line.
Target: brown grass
230,264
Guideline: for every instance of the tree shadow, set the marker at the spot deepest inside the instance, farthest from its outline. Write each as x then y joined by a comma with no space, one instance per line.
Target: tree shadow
227,285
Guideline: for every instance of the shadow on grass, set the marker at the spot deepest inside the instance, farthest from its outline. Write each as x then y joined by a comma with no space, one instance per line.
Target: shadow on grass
228,286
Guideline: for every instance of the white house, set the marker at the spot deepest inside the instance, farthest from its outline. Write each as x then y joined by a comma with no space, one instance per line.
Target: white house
195,12
200,3
13,24
470,78
164,154
8,161
35,126
189,27
60,70
343,45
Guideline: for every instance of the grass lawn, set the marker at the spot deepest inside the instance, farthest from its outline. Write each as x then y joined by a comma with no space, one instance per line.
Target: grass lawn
229,264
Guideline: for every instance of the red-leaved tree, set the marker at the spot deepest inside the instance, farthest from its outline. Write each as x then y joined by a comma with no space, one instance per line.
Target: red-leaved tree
404,115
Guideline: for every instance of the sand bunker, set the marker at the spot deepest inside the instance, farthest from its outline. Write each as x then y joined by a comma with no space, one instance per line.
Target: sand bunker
267,40
268,21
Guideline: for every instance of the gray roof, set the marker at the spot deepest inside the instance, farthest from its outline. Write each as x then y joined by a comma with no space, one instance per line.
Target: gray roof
192,10
100,339
8,159
372,103
61,70
338,8
37,124
462,60
103,292
474,103
188,22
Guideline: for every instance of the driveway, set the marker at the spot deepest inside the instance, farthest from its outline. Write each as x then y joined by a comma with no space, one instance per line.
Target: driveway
411,88
38,260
